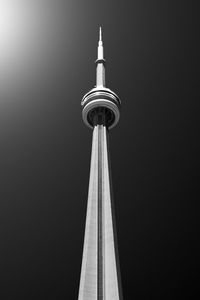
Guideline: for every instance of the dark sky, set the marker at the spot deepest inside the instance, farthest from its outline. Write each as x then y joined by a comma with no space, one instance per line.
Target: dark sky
152,64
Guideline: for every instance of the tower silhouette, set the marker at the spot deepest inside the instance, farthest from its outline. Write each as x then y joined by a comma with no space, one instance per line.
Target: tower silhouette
100,276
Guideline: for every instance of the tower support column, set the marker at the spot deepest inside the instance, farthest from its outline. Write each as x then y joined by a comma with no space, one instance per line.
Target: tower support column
99,273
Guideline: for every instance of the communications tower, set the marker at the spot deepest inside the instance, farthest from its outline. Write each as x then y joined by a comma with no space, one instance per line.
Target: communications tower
100,276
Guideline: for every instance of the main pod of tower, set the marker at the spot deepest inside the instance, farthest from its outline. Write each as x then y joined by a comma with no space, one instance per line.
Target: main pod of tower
100,274
100,97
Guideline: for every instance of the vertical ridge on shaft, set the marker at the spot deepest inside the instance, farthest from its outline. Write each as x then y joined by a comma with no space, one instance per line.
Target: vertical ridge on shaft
100,215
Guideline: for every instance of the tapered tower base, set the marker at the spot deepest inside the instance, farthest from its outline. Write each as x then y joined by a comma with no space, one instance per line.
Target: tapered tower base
99,273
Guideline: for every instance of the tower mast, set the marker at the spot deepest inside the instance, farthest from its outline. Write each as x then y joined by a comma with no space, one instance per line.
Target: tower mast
100,69
100,278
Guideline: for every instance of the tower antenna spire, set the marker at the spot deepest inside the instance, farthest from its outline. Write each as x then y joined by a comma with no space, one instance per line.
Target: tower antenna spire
100,68
100,55
100,34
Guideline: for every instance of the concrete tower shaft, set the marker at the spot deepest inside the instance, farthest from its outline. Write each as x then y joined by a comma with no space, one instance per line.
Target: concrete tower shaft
100,277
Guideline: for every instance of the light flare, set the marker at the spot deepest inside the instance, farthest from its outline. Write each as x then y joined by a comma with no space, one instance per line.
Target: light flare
26,33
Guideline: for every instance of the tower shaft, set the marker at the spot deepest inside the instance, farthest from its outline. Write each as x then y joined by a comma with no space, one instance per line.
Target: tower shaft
99,273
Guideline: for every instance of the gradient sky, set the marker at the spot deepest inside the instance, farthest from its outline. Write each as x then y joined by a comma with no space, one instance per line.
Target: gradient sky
47,54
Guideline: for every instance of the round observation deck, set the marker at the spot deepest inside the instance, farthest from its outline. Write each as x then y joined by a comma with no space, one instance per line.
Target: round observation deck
96,100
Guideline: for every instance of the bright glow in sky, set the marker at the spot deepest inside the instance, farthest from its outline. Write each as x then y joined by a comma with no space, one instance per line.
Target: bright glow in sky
26,33
7,22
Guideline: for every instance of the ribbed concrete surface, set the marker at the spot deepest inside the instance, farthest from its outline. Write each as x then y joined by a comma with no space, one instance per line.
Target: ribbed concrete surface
99,274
